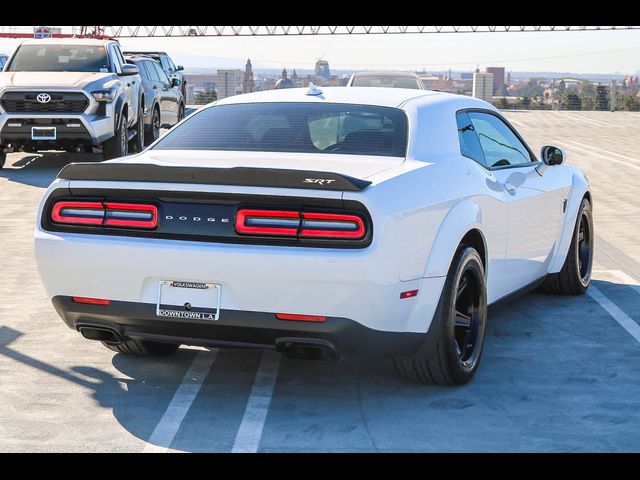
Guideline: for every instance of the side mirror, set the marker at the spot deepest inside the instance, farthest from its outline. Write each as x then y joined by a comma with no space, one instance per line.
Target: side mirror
550,156
176,82
179,67
128,69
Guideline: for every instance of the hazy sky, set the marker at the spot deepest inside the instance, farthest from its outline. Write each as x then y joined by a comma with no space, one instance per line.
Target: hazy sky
579,52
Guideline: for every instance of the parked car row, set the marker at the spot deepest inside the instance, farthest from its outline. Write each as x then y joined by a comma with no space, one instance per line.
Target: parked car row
78,94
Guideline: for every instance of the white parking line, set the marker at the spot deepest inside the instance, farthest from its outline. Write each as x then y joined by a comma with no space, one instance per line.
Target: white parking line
624,277
250,431
573,145
164,433
618,315
605,151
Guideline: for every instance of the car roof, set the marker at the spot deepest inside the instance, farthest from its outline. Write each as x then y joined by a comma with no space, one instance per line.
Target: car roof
384,97
67,41
386,73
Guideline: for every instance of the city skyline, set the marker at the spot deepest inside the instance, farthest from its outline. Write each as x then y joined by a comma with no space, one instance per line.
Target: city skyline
604,52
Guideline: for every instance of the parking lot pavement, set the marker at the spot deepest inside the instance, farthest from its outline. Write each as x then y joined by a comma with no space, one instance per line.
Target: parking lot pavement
557,374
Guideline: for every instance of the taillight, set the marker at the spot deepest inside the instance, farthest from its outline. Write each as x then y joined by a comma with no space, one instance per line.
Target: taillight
300,224
130,215
78,213
107,214
331,225
268,222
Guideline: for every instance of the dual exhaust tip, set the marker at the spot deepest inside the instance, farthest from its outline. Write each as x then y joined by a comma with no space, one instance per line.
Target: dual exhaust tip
101,334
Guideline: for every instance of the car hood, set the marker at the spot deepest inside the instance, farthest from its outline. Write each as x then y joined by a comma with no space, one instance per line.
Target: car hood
357,166
50,79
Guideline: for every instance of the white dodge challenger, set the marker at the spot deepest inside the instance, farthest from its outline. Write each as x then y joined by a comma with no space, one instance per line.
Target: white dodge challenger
334,221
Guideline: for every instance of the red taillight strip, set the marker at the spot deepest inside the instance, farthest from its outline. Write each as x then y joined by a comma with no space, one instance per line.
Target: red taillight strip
91,301
301,318
114,208
57,214
243,215
357,232
105,214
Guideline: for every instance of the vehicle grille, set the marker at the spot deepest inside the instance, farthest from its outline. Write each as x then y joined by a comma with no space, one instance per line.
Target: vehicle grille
24,102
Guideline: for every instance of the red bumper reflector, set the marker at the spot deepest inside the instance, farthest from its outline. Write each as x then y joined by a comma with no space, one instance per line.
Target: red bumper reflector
302,318
92,301
409,294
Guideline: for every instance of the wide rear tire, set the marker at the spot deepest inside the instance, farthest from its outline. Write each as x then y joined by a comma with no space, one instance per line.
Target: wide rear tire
453,346
143,348
575,276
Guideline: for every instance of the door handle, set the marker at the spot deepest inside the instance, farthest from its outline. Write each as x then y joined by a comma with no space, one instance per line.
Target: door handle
509,187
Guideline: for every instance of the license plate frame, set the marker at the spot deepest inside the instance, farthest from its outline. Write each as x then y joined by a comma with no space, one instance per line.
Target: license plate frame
52,136
192,290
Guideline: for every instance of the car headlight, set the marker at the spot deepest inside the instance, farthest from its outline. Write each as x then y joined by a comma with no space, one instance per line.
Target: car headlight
104,95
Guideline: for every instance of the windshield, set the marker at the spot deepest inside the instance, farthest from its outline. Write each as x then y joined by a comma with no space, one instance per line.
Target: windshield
385,81
293,127
60,58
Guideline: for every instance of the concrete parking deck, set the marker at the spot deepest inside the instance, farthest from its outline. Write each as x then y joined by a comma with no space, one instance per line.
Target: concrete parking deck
558,373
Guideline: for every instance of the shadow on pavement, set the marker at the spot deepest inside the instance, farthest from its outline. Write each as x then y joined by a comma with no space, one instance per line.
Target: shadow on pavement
39,170
555,376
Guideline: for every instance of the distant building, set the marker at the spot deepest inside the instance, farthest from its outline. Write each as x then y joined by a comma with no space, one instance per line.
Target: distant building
508,78
284,81
322,69
498,77
229,82
483,86
249,84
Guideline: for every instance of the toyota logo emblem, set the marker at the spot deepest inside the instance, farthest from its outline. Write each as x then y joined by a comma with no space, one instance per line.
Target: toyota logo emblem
43,98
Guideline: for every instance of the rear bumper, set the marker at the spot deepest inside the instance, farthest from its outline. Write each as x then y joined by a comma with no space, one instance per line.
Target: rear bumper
236,329
360,285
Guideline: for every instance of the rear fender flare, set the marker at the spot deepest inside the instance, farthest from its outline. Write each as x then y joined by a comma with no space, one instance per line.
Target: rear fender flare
462,217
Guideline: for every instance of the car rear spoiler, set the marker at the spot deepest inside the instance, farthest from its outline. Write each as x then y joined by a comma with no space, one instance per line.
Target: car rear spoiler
247,176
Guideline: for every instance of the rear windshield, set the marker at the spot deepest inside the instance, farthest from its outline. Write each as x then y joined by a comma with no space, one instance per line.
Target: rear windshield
385,81
60,58
293,127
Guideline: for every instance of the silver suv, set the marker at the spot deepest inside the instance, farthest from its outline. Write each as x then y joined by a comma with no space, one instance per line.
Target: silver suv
73,95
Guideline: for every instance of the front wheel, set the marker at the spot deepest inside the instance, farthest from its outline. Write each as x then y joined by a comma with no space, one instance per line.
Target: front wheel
136,145
3,158
118,145
452,355
575,276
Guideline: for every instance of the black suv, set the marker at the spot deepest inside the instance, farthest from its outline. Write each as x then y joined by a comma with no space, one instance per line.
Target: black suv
168,66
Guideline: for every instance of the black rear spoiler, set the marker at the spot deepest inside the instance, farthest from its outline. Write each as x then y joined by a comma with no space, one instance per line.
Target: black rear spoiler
247,176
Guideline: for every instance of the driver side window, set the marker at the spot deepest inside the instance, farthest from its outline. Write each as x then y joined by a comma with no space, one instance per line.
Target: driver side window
500,145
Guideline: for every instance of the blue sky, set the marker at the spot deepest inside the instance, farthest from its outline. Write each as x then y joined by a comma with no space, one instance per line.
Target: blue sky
579,52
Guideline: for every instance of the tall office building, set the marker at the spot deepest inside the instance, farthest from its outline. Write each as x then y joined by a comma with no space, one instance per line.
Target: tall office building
322,69
483,86
498,77
229,82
